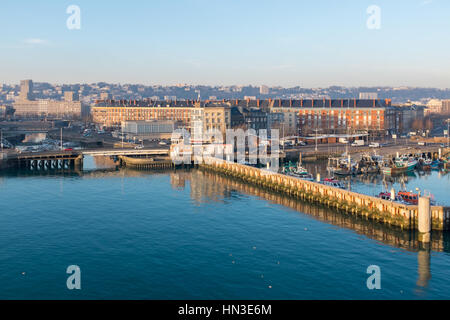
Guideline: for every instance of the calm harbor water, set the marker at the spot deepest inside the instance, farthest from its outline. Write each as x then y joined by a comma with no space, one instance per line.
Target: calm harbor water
197,235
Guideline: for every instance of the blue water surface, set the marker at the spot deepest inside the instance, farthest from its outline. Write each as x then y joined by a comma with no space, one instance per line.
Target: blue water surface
170,236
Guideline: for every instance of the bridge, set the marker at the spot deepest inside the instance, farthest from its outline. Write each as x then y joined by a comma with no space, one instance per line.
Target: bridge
124,152
73,158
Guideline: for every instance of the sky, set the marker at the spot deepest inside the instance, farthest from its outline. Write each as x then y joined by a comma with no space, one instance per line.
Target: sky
234,42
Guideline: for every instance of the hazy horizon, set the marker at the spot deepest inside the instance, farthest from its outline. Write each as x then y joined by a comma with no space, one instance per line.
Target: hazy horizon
217,85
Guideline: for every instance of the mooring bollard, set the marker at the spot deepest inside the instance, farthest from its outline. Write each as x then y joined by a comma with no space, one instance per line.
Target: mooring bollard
424,219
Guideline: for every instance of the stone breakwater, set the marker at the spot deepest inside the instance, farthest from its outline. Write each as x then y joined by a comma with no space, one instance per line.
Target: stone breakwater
383,211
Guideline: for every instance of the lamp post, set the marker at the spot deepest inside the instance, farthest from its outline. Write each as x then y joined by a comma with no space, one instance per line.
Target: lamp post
316,130
448,133
121,131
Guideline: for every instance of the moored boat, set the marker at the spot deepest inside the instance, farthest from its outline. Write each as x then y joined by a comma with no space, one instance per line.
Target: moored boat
333,183
400,165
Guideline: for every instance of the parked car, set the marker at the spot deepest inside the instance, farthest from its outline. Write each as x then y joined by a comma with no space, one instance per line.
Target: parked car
374,145
358,143
68,149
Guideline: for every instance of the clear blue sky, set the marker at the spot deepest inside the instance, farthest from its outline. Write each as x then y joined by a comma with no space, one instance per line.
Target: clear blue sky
285,42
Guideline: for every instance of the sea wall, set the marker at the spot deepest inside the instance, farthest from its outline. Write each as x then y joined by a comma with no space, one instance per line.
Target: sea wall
383,211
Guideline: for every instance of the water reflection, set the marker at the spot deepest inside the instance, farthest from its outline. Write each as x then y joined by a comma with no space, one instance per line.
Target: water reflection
208,186
423,270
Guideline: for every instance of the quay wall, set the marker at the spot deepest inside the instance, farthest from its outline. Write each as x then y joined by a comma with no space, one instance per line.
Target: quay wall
405,239
147,163
383,211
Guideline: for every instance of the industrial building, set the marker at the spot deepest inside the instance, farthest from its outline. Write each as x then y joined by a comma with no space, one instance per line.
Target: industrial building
146,130
27,107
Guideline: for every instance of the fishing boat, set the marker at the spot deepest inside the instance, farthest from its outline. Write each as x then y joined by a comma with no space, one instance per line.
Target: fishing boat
391,196
400,165
288,168
408,197
369,164
302,173
435,165
413,198
385,196
333,183
342,166
297,171
426,164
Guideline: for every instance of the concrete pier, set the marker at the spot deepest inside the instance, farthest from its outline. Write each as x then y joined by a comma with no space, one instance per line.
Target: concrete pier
384,211
47,161
152,163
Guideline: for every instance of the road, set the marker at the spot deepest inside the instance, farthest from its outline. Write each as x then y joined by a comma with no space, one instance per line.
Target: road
388,149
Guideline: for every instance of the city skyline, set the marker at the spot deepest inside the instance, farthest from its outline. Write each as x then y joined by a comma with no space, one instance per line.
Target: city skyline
312,45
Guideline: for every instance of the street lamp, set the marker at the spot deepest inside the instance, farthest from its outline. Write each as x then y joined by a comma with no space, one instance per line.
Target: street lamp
448,133
316,130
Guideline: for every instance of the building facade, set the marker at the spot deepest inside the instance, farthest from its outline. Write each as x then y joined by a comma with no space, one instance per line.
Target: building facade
291,117
27,107
405,117
446,106
434,106
305,117
188,114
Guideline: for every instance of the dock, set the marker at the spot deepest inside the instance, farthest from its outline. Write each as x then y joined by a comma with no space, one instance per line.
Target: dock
388,212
